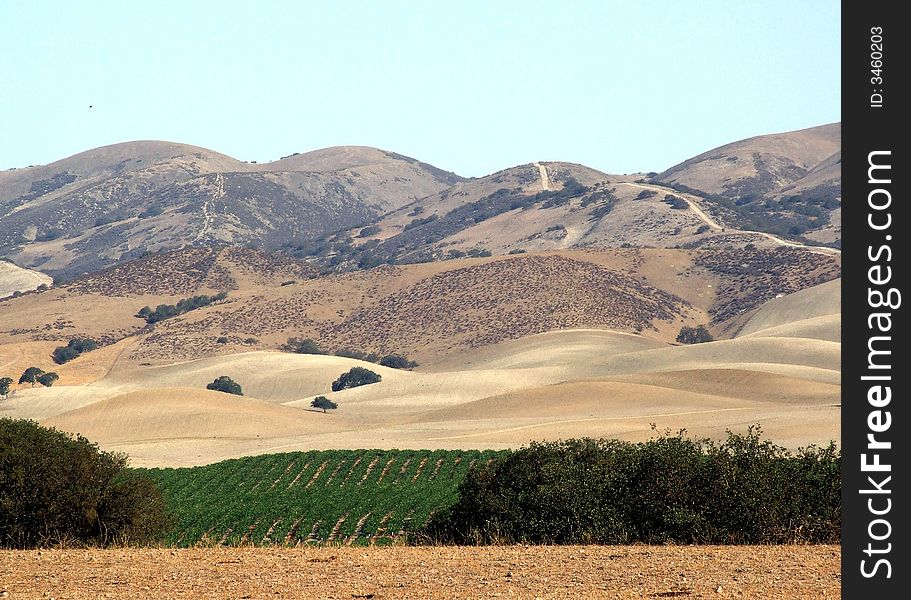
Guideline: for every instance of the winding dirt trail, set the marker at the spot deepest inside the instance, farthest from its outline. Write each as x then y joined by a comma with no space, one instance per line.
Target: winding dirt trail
694,206
545,180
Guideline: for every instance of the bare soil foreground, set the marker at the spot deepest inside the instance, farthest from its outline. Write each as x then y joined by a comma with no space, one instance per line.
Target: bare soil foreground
563,572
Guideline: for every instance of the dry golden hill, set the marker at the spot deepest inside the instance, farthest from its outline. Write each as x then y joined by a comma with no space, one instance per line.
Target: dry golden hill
14,279
547,386
426,311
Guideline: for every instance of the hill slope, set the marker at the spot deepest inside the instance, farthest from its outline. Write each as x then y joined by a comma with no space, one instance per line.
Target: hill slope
788,184
113,203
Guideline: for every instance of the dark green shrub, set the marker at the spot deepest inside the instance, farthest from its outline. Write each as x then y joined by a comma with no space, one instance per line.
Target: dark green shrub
368,231
167,311
666,490
5,384
48,379
395,361
694,335
225,384
323,403
356,377
73,349
302,346
30,375
58,488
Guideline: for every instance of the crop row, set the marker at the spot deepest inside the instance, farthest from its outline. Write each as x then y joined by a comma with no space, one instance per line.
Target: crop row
332,496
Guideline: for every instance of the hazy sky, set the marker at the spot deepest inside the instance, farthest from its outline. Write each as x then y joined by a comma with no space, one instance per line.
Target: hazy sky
470,86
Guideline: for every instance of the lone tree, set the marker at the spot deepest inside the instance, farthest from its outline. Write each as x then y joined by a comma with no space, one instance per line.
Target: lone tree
356,377
5,384
56,487
31,375
323,403
694,335
48,379
227,385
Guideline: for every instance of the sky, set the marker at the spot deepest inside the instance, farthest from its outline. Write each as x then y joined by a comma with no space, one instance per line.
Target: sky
469,86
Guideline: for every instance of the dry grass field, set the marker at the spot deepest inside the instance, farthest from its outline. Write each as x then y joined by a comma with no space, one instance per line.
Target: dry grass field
781,372
444,573
511,349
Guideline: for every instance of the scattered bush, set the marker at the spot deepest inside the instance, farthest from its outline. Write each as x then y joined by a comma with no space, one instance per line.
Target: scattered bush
166,311
646,194
323,403
222,340
58,488
517,251
356,377
225,384
694,335
5,385
702,228
667,490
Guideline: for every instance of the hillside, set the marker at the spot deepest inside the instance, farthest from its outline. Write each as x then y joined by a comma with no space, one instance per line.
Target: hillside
788,184
425,310
114,203
511,212
14,279
352,207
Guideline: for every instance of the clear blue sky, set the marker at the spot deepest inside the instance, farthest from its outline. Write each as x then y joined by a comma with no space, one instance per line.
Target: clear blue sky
470,86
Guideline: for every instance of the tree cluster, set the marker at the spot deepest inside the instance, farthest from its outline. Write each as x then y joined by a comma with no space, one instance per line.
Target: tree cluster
694,335
166,311
57,488
35,375
227,385
356,377
73,349
667,490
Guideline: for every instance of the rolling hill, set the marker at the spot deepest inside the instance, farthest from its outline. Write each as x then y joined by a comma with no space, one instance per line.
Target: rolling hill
787,184
353,207
118,202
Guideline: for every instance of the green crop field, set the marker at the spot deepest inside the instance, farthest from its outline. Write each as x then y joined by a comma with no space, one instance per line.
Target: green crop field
332,496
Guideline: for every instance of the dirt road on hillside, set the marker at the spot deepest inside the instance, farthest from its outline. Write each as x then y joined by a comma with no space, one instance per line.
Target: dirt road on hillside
694,206
545,180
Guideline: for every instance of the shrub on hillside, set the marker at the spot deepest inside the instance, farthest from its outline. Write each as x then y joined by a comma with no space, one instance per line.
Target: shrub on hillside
395,361
58,488
694,335
5,384
356,377
167,311
225,384
666,490
48,379
302,346
368,231
73,349
31,375
323,403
